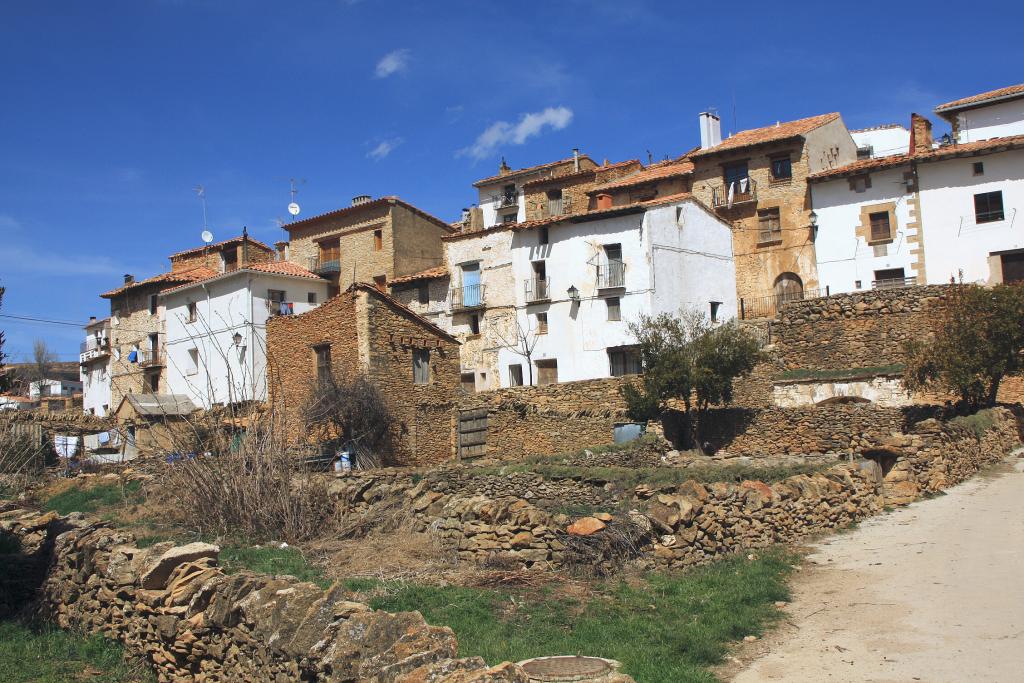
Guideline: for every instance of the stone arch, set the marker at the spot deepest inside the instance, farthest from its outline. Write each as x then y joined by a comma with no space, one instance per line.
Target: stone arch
885,457
788,287
834,400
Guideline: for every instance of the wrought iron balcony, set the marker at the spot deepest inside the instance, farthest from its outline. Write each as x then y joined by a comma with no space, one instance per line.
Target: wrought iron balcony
611,275
894,282
150,357
537,289
503,201
323,266
469,297
742,193
281,307
93,348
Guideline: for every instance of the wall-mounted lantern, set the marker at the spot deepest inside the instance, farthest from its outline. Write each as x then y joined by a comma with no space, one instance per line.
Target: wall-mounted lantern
574,294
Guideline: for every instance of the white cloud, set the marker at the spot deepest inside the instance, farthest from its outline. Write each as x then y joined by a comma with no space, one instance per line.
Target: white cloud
384,148
505,133
392,63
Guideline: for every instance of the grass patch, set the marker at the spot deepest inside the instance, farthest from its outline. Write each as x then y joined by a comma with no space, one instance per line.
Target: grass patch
667,627
979,423
271,560
844,373
48,655
80,498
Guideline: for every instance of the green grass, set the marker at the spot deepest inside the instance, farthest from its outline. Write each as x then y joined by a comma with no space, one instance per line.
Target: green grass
669,627
844,373
979,423
271,560
49,655
93,498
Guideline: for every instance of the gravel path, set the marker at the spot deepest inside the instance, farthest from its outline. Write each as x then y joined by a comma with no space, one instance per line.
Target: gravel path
930,592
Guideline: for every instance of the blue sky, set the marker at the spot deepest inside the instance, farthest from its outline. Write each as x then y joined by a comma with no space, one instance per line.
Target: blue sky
113,111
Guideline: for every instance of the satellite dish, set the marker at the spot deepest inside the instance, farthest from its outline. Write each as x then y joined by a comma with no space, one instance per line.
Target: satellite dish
293,209
207,236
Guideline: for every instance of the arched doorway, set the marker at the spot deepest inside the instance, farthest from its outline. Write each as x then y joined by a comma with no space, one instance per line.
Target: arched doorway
788,287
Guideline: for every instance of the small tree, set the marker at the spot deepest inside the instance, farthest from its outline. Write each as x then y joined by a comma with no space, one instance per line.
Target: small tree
42,360
688,359
519,340
351,413
977,339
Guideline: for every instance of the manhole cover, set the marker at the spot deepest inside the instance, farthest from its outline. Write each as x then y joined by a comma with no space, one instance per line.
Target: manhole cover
566,668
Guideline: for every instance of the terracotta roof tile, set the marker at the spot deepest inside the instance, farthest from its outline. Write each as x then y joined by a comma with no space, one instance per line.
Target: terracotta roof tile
429,274
862,166
380,201
998,94
652,173
233,240
183,276
403,308
598,213
529,169
597,170
272,268
757,136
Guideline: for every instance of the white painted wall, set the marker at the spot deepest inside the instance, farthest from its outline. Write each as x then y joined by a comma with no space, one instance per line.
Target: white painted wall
53,387
843,257
884,141
489,203
997,120
669,265
237,303
953,239
96,388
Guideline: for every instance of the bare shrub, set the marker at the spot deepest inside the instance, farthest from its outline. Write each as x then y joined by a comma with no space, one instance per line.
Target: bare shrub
351,413
22,457
600,554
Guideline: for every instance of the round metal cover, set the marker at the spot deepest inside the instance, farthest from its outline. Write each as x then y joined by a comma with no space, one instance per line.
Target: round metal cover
566,668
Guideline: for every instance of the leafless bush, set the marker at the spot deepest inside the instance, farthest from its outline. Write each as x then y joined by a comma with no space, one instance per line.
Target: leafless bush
232,475
600,554
22,457
351,413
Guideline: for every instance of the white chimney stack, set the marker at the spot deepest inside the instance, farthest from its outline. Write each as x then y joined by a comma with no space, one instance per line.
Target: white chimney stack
710,130
576,159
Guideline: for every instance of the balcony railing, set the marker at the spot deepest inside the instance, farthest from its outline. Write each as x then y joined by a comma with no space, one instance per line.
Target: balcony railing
320,266
537,289
742,193
503,201
150,357
768,306
281,307
894,282
611,275
471,296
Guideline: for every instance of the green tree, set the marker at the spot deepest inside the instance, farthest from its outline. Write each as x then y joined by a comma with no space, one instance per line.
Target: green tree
689,359
977,339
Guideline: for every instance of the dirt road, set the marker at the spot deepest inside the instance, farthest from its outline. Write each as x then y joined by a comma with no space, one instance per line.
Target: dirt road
931,592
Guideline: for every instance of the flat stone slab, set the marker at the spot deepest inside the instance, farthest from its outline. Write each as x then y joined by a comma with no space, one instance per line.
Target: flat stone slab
155,578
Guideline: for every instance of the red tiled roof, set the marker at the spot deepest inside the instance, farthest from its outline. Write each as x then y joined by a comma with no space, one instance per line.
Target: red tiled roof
429,274
171,278
654,172
225,243
597,170
947,152
380,201
473,233
272,268
1011,91
529,169
597,214
778,132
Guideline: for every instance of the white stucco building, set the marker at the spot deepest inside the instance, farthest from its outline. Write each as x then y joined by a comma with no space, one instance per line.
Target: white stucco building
53,388
881,141
934,212
94,364
216,329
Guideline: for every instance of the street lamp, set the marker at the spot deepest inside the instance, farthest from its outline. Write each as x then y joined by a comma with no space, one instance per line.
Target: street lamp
237,338
573,293
814,224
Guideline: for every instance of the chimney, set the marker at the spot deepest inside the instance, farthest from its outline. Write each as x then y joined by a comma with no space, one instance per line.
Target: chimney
504,169
920,134
576,159
92,319
710,130
465,215
604,201
129,278
360,199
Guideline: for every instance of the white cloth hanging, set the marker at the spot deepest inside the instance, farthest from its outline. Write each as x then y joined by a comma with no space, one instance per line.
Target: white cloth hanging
732,191
743,185
66,446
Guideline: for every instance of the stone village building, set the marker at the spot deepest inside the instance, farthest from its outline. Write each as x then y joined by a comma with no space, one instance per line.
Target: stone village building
363,330
94,367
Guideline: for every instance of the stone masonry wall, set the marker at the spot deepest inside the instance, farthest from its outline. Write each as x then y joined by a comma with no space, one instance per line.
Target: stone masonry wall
178,611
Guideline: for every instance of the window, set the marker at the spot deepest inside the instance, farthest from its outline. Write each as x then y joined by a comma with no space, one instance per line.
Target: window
423,294
467,380
229,260
509,218
988,207
515,375
508,195
421,366
153,382
153,302
782,168
322,354
614,308
275,299
330,250
769,226
890,277
542,236
378,240
865,152
542,323
311,297
614,272
860,183
191,311
880,228
624,360
1012,266
474,323
555,202
715,305
736,173
547,372
979,168
193,362
380,282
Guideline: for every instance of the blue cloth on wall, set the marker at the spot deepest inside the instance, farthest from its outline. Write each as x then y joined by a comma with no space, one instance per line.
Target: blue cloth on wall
133,356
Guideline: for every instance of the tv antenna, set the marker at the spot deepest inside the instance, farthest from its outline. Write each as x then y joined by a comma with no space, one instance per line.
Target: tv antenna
201,192
293,207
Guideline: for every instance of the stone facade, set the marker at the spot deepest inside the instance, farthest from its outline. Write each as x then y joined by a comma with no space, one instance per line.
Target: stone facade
368,332
572,189
133,323
234,253
884,391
